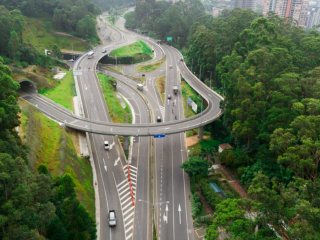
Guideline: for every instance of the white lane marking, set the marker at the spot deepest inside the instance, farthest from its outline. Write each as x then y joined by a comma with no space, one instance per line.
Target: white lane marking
121,183
128,216
179,210
125,185
116,161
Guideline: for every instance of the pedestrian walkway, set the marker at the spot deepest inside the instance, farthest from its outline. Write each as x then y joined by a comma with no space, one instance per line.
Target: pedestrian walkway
126,202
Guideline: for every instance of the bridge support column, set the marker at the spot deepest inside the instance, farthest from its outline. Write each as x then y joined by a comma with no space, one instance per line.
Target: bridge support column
126,143
200,133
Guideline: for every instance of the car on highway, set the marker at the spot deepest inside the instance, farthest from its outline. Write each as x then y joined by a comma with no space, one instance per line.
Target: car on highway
70,60
104,50
106,145
181,59
169,96
170,66
112,218
158,119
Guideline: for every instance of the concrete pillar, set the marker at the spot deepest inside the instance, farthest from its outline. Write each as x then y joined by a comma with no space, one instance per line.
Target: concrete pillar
200,133
126,143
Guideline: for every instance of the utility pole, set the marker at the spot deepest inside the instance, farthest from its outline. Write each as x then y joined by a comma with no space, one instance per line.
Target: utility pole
200,73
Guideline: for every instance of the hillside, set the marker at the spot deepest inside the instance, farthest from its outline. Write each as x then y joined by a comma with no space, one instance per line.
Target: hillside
35,33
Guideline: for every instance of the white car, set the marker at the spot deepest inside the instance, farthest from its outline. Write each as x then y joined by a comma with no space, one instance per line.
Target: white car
106,145
104,50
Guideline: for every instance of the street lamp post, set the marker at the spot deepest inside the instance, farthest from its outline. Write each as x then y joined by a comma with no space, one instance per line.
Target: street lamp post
201,110
210,78
148,121
90,114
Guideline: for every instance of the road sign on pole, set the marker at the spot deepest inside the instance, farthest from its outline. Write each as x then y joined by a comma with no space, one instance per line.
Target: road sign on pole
169,39
159,136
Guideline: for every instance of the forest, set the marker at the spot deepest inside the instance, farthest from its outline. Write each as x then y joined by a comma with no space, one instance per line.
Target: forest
268,70
33,205
76,17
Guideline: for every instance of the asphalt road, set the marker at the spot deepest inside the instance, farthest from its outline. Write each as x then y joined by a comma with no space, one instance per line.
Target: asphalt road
159,159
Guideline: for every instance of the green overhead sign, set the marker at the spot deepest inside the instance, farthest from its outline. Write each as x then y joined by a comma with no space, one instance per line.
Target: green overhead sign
169,38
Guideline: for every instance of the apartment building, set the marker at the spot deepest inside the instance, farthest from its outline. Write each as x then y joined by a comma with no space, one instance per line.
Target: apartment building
295,9
245,4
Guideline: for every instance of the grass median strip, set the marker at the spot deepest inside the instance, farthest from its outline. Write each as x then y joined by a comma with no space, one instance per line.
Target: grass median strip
161,85
118,112
187,92
151,67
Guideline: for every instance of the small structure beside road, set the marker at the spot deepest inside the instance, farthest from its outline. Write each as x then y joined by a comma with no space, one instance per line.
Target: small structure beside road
224,146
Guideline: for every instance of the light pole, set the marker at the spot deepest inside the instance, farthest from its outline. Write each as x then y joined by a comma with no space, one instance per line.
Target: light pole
201,109
210,77
200,73
90,114
148,121
113,105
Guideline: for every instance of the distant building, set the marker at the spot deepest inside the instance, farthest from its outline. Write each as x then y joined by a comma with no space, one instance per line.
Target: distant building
224,146
313,17
216,11
294,9
245,4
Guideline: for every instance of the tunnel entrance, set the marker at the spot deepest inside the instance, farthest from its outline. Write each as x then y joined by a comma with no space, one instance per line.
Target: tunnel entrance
26,86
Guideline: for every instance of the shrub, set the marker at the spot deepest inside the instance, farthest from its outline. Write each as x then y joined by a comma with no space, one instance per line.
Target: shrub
24,64
209,194
196,205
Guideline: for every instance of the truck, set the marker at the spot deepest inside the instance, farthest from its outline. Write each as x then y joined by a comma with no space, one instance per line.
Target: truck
140,86
175,89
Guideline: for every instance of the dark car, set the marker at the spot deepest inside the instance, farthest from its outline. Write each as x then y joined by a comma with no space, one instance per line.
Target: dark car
158,119
169,96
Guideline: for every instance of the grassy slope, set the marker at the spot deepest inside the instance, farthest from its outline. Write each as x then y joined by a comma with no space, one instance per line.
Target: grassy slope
151,67
136,50
63,92
36,35
120,115
52,146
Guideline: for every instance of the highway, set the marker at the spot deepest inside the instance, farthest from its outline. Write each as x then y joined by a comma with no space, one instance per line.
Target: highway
154,164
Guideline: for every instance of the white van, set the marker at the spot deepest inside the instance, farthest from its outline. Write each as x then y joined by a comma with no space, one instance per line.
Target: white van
106,145
140,86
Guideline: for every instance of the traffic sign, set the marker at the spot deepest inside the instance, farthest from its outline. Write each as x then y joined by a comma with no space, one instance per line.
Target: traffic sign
169,39
159,136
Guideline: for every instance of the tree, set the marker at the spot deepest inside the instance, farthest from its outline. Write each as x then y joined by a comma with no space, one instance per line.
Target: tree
48,26
56,51
195,166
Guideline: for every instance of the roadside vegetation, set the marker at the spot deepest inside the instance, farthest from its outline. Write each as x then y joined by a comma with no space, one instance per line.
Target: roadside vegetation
115,69
63,92
53,147
188,92
161,85
117,112
139,51
151,67
35,33
46,169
